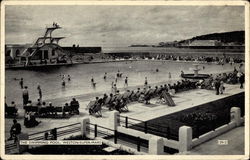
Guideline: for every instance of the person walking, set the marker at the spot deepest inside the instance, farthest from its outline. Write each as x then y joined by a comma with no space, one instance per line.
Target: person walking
217,86
25,95
222,88
242,80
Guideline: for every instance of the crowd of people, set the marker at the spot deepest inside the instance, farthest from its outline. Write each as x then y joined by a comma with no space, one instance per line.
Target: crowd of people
173,57
217,82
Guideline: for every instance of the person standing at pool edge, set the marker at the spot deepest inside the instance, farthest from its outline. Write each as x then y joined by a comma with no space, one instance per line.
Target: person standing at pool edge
25,95
21,83
39,92
126,81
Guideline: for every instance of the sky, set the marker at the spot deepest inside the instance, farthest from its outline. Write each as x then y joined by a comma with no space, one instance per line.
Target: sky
111,26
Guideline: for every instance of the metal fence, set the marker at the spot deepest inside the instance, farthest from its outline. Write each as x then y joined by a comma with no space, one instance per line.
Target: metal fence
107,133
50,134
167,131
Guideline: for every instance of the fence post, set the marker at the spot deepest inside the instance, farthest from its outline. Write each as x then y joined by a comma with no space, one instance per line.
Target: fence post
113,118
84,126
185,138
156,145
235,115
126,122
115,136
168,132
138,144
54,133
95,130
145,127
22,148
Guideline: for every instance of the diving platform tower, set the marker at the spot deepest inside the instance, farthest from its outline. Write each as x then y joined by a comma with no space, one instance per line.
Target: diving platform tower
46,41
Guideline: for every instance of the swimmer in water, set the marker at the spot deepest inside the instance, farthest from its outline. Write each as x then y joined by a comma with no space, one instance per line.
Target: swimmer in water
126,81
94,85
63,83
182,73
69,78
92,80
157,70
105,76
146,81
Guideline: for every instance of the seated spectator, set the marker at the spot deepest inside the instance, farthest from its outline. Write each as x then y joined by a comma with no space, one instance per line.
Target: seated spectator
65,108
15,130
147,98
13,105
51,108
42,109
74,105
38,102
141,98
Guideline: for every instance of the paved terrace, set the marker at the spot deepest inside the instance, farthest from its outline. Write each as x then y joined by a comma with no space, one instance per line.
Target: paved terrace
183,100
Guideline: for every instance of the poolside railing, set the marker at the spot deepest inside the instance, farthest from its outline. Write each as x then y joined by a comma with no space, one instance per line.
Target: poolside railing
152,128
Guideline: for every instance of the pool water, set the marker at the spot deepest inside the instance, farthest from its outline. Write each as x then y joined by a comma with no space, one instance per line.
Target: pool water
81,74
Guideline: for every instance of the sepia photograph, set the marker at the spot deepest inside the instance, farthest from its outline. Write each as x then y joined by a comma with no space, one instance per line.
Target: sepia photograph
136,78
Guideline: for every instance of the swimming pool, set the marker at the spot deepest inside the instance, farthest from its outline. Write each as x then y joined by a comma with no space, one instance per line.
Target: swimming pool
81,74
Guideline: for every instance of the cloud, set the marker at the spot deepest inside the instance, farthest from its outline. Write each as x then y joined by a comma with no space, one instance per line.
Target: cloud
120,25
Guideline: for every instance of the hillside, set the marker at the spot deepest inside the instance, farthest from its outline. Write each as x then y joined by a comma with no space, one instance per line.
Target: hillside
237,37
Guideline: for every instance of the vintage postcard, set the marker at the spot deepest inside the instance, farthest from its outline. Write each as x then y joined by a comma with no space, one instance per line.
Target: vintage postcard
125,80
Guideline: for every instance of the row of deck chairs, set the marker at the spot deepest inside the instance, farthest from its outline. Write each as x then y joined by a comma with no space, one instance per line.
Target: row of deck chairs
119,102
116,102
52,110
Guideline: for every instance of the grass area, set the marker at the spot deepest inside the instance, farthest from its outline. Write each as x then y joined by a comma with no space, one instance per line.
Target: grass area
202,118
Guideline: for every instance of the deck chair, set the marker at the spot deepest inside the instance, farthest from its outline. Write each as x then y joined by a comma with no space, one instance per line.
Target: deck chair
136,96
111,105
168,100
96,109
123,106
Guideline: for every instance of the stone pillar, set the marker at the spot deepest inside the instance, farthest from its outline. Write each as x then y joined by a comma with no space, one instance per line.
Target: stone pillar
156,146
22,148
84,125
12,52
112,120
185,138
235,115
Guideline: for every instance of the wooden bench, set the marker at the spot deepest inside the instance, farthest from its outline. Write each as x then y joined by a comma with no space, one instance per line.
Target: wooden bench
11,111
